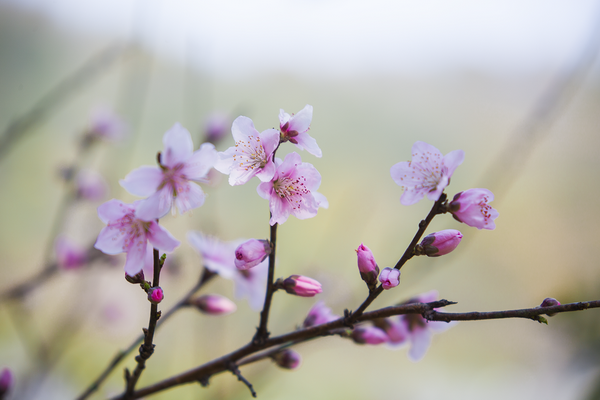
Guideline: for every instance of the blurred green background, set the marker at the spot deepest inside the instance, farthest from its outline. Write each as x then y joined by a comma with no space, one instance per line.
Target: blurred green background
380,76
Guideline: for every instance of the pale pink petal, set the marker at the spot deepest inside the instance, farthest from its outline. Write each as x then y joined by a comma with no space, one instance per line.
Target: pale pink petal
224,163
321,200
283,117
155,206
160,238
424,149
270,141
142,181
112,210
266,173
308,143
201,161
239,176
411,197
136,256
111,240
264,190
178,146
217,256
453,160
420,342
280,210
300,122
251,285
189,197
243,127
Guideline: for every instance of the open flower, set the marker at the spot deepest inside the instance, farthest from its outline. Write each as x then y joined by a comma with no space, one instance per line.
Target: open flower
252,154
69,255
294,128
171,184
126,233
293,190
471,207
427,174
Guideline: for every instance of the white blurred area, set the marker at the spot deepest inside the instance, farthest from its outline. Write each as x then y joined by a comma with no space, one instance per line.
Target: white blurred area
380,75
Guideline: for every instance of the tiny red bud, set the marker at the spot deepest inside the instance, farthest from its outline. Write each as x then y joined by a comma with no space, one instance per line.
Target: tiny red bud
155,295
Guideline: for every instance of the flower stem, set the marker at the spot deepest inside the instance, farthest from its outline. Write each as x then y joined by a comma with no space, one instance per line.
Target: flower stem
262,333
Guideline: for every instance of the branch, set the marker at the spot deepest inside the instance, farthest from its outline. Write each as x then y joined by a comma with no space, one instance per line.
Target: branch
219,365
261,332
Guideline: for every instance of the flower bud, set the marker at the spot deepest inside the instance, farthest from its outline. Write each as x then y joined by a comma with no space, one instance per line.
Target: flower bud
369,335
319,314
6,381
390,277
155,295
251,253
287,358
216,127
301,286
471,207
549,302
68,254
213,304
90,185
136,279
439,243
366,265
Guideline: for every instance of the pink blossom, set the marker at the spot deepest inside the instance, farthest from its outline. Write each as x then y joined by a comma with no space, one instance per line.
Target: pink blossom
293,190
69,255
428,172
471,207
126,233
287,358
395,329
419,331
171,184
389,278
302,286
366,264
440,243
105,124
219,257
252,154
368,334
319,314
90,185
295,129
214,304
155,295
6,381
251,253
216,127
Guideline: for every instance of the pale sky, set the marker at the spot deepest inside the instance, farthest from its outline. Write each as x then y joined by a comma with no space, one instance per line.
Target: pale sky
335,37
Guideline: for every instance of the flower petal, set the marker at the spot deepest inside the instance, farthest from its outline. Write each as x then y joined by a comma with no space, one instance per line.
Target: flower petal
111,240
155,206
300,122
420,342
201,161
189,197
161,238
178,146
308,143
270,141
136,256
453,160
113,209
243,127
142,181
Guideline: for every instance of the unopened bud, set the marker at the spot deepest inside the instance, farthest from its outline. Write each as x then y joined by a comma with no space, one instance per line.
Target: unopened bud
389,278
287,358
369,335
6,381
251,253
155,295
549,302
319,314
471,207
213,304
301,286
136,279
439,243
366,265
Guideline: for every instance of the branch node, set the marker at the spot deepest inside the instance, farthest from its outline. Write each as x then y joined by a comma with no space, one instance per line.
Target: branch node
347,322
234,369
203,381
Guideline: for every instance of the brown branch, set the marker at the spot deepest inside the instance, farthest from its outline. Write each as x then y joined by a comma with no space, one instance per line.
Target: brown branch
262,332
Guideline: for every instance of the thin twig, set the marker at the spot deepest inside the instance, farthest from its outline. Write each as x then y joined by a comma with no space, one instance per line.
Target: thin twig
234,369
262,332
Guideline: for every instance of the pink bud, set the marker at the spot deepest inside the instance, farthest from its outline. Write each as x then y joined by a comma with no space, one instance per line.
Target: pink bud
6,381
214,304
471,207
319,314
302,286
251,253
91,185
107,125
288,359
549,302
389,278
369,335
68,254
217,126
440,243
155,295
366,264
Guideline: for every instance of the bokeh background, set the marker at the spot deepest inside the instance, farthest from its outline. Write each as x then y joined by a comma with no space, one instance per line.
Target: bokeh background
513,84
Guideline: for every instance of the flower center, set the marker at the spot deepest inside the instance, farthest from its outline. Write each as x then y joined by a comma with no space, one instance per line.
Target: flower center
134,230
291,190
485,209
250,154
